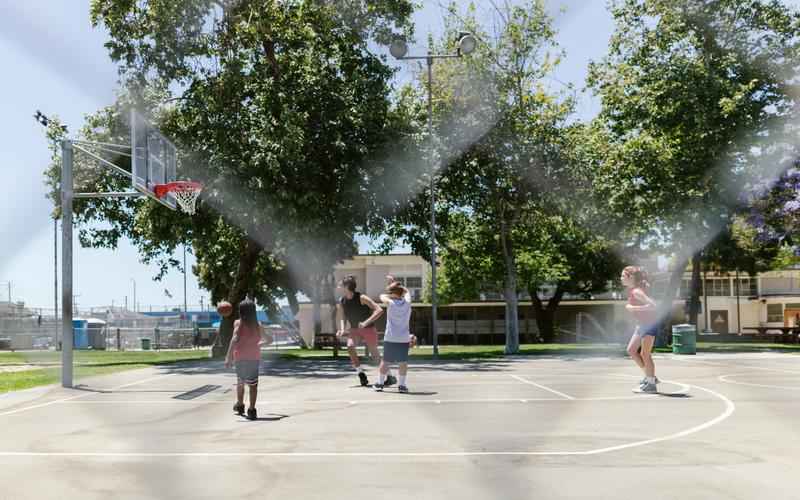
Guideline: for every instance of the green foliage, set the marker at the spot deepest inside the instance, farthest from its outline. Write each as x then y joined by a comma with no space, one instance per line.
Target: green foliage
510,210
688,90
278,107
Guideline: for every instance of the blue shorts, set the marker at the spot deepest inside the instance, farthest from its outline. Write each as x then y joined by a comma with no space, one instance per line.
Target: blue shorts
647,330
247,371
395,352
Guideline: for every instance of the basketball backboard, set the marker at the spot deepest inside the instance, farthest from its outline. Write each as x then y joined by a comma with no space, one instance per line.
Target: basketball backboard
153,159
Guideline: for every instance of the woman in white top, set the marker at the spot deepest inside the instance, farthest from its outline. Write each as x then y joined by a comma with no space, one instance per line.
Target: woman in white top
398,338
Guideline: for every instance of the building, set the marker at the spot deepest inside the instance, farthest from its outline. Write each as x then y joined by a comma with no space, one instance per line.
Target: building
482,322
769,299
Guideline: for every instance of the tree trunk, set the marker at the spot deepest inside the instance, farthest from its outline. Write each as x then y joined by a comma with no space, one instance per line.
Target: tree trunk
694,301
510,292
316,298
545,316
330,299
247,264
667,300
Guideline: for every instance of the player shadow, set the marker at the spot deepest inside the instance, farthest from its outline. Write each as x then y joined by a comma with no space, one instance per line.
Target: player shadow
681,395
269,417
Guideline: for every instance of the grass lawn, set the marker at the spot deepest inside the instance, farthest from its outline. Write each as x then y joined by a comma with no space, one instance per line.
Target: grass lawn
464,352
87,364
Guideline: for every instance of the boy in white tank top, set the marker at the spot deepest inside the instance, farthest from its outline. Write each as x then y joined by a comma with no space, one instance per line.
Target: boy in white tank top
397,338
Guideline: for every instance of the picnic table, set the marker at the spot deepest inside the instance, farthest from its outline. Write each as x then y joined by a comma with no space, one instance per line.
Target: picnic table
780,333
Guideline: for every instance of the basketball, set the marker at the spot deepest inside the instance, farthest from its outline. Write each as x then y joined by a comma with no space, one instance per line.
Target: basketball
224,308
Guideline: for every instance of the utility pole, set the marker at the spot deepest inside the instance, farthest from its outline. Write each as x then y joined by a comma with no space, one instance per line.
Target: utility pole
55,275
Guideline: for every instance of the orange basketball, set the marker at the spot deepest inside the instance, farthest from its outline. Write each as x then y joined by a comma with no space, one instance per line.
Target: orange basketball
224,308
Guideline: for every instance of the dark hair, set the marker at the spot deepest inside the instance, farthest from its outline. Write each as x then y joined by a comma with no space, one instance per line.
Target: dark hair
349,282
247,313
639,276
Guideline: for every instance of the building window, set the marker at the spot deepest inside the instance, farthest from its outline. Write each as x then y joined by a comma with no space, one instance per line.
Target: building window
748,287
774,313
719,287
414,285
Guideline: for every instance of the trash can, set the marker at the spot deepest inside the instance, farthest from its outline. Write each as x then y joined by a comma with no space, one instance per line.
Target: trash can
684,339
145,344
80,334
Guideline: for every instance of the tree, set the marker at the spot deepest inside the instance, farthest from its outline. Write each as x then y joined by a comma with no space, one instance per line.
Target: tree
696,99
555,256
499,137
279,106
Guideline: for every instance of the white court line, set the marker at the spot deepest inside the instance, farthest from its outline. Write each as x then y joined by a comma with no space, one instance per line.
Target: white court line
730,408
726,379
71,398
740,367
540,386
362,401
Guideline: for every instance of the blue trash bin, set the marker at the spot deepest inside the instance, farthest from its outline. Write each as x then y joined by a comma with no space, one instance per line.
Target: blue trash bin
80,334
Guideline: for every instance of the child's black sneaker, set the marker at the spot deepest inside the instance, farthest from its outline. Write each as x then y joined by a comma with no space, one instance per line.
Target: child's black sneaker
238,408
403,389
252,414
378,387
363,378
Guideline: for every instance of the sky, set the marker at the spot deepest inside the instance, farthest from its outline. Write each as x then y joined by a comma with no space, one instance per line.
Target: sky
55,62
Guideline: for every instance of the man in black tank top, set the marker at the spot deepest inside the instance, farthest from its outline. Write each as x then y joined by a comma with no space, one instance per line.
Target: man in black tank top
360,312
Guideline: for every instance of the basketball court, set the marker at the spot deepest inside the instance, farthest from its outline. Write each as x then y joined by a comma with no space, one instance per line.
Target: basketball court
725,426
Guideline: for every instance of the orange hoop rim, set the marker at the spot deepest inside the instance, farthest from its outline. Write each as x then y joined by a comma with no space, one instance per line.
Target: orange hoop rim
161,190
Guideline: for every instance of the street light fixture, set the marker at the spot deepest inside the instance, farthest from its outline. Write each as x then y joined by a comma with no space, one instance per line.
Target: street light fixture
467,43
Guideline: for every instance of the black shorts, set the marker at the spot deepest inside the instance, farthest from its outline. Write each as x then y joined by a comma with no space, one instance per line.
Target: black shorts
247,371
395,352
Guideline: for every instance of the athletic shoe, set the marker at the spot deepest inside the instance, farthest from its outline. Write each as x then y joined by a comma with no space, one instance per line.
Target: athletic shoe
403,389
252,414
644,382
390,380
238,408
363,378
378,387
649,389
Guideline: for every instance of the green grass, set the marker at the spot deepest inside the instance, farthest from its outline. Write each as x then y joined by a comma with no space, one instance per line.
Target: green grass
461,352
87,364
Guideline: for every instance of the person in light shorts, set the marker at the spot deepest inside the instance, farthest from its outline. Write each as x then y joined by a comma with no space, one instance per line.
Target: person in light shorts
397,339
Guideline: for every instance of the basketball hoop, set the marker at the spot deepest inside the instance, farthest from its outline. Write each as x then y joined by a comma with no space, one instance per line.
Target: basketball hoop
185,193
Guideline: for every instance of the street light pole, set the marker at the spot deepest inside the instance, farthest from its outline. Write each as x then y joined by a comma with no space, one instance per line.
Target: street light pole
134,294
432,173
466,45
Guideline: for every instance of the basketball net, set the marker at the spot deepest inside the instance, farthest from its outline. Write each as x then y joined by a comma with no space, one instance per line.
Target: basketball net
186,194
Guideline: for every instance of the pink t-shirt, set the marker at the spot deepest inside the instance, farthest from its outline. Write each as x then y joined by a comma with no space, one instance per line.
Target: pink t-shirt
645,316
247,348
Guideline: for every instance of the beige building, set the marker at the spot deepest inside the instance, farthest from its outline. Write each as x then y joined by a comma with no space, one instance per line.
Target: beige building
769,299
479,322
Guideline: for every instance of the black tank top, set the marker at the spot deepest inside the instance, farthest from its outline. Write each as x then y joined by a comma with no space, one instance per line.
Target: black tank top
354,311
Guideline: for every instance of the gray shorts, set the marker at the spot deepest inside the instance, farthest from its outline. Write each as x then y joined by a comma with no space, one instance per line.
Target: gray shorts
247,371
395,352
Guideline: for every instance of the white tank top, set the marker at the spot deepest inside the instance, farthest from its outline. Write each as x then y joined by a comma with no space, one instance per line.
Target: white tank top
398,315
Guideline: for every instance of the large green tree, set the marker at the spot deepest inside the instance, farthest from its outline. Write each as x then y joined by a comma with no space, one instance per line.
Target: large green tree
278,106
696,100
500,141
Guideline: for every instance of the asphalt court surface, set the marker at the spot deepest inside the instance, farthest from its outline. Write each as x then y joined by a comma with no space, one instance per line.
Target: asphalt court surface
724,426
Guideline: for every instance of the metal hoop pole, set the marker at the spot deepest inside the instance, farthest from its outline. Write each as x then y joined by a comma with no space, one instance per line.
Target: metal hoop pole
66,263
